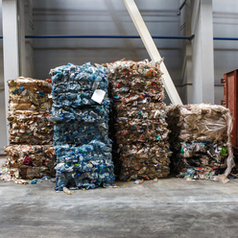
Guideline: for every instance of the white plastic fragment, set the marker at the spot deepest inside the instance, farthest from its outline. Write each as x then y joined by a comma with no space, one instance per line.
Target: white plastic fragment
98,96
139,181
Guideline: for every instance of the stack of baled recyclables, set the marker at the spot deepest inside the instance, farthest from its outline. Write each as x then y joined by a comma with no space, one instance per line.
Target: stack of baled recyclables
30,153
81,113
141,132
200,140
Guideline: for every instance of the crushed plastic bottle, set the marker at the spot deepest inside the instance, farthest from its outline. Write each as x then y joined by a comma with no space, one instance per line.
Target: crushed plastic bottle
20,181
67,191
139,181
34,181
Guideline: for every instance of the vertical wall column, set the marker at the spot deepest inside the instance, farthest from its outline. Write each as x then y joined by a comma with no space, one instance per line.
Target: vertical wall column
29,30
21,37
13,43
202,47
186,76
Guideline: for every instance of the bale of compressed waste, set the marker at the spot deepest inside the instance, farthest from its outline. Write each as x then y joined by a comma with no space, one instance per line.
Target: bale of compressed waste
86,166
30,94
140,131
30,153
81,108
30,127
30,103
200,139
30,161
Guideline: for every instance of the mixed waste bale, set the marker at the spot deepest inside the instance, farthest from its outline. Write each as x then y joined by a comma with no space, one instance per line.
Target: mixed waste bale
200,139
141,149
30,153
81,108
30,161
30,127
30,94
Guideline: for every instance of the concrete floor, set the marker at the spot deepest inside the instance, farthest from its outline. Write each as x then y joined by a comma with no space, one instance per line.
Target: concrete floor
170,208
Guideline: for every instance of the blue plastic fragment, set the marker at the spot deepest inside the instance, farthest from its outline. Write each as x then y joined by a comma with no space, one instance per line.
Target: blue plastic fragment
34,181
21,88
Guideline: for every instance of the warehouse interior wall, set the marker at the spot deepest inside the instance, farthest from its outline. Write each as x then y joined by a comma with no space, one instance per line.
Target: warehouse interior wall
225,24
103,17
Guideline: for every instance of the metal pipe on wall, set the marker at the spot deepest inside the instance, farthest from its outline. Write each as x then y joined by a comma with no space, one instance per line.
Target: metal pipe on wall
124,37
110,37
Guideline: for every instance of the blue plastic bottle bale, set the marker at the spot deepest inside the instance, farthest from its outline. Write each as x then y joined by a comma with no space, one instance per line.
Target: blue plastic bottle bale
81,141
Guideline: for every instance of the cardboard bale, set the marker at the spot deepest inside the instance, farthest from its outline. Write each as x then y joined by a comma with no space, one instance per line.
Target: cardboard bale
148,161
141,130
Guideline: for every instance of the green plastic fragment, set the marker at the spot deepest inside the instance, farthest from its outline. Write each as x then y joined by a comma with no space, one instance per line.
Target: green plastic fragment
223,151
